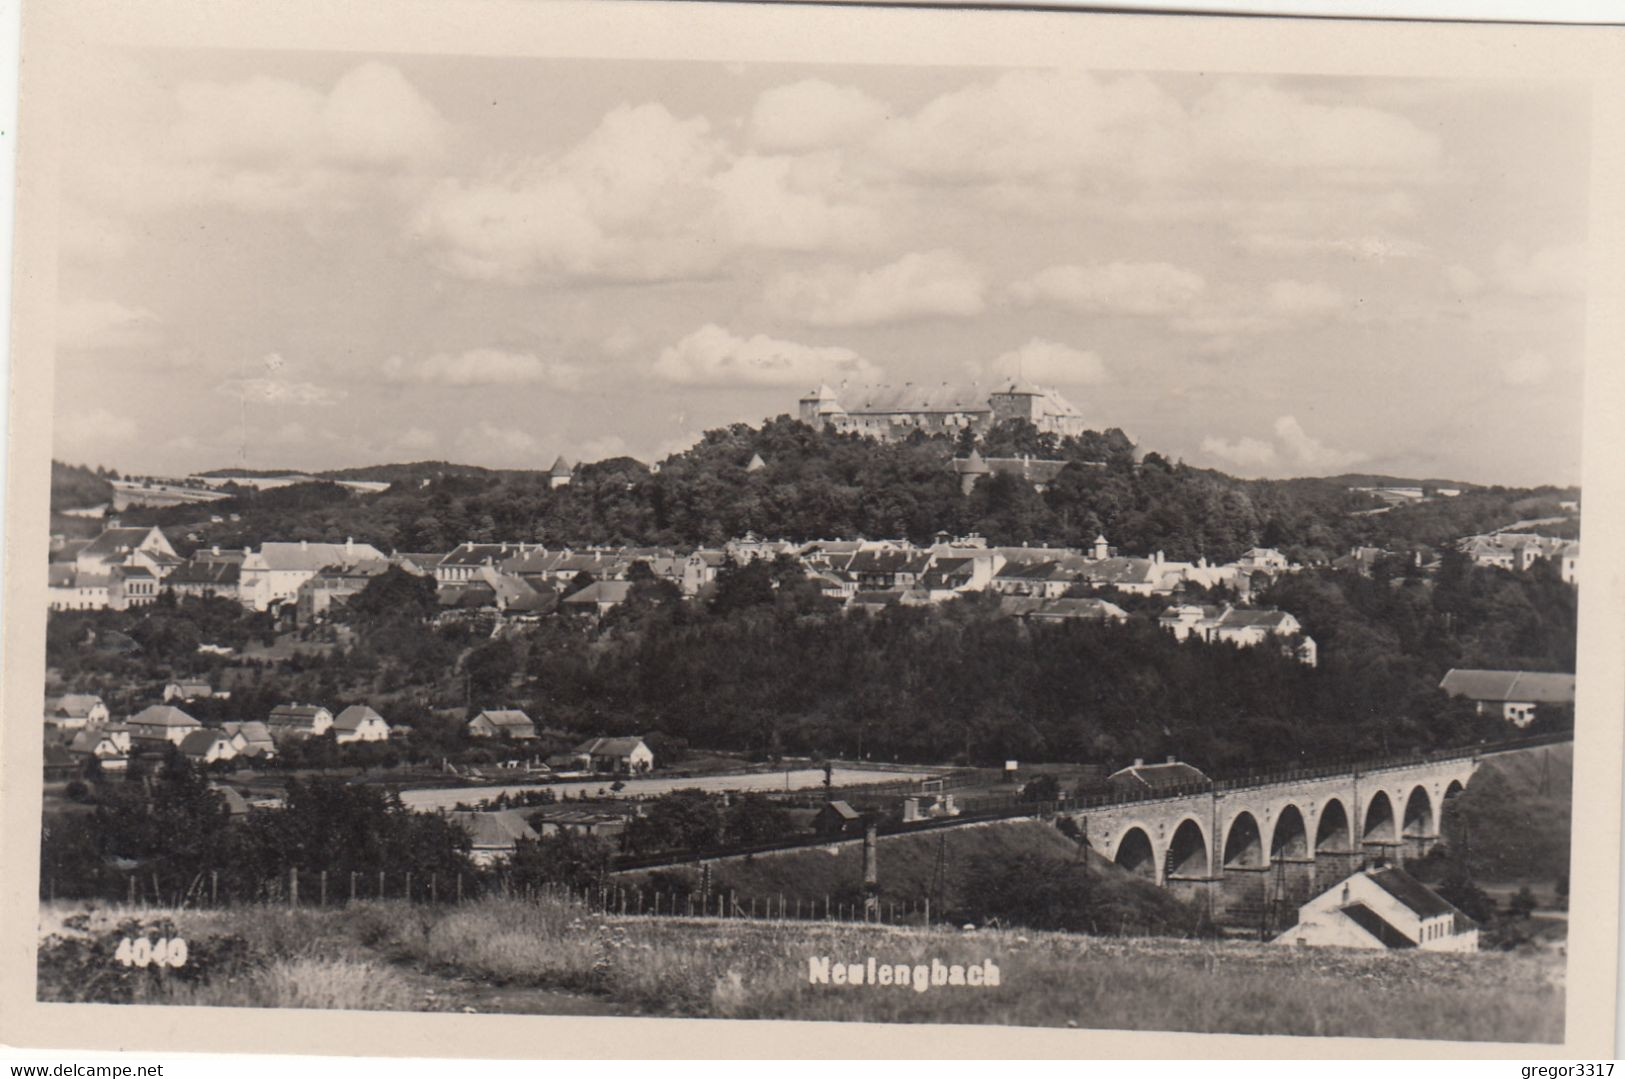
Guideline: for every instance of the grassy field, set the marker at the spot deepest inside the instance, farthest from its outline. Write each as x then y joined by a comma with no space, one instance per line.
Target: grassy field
554,957
907,863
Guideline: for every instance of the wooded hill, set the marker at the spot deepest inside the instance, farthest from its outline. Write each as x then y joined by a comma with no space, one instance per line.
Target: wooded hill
819,484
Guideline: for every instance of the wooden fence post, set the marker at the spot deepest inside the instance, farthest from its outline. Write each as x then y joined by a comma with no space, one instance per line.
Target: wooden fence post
214,887
352,886
380,884
131,901
408,885
293,886
323,888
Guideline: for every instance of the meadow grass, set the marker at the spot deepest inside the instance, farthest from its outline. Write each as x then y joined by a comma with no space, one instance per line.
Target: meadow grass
375,955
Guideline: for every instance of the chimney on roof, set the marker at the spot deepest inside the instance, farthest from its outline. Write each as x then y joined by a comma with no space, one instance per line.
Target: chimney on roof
1139,762
215,549
1172,759
349,544
304,545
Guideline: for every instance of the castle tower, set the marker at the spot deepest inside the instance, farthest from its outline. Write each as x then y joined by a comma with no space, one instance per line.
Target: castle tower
818,406
1016,401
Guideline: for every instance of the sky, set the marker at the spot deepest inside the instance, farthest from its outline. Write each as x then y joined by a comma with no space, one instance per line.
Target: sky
320,260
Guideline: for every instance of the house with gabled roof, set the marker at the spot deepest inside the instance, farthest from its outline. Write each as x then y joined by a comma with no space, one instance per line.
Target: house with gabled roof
359,723
76,711
115,546
1171,776
160,723
560,474
617,756
272,575
502,723
1382,908
493,835
205,578
1515,694
187,691
288,721
207,745
102,746
250,739
598,598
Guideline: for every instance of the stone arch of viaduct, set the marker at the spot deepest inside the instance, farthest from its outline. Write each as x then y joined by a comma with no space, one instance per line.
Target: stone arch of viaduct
1248,848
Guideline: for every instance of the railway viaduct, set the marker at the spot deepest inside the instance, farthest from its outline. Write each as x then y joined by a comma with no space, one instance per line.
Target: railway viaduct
1253,848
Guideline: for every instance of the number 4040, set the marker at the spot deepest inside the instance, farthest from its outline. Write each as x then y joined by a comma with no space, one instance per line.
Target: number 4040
141,952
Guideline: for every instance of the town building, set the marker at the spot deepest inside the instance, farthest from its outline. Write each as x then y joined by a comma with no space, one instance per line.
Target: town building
186,692
1150,780
102,746
205,578
359,723
617,756
1515,694
837,818
160,723
493,834
251,739
291,721
76,711
1382,908
502,723
1036,471
560,474
272,575
207,745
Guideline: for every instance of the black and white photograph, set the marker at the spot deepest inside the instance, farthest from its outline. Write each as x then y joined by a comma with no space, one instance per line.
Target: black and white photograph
1089,544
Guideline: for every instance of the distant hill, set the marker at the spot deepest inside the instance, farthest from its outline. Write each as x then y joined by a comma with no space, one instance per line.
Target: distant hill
390,473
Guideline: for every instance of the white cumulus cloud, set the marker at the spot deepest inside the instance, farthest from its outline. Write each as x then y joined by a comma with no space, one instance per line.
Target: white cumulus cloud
714,356
812,114
278,391
918,285
1051,362
1289,448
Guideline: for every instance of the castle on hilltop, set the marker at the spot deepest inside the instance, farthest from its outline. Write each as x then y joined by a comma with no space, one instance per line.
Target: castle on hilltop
892,412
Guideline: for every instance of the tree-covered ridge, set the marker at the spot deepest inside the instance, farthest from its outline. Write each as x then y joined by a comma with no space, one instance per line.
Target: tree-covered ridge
819,484
78,487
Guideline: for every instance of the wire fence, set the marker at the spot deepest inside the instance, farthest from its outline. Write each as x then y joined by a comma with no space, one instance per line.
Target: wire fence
322,890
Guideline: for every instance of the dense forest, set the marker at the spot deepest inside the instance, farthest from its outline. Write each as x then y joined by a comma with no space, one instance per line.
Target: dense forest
819,484
77,487
769,666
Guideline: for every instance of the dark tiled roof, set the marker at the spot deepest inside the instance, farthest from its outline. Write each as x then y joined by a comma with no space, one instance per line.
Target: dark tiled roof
1415,895
1532,686
1373,923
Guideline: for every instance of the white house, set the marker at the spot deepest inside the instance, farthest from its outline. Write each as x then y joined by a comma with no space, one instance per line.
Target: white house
619,756
299,721
162,723
76,711
208,745
359,723
1515,693
1382,908
274,573
250,739
501,722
